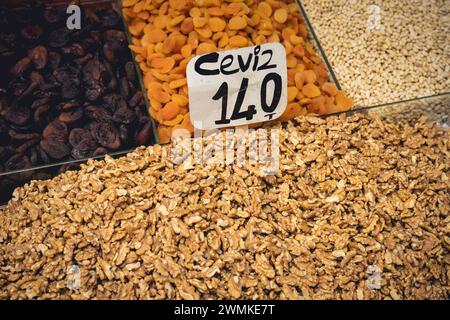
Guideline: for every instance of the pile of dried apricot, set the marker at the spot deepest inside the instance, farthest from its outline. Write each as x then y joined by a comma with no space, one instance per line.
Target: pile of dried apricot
167,34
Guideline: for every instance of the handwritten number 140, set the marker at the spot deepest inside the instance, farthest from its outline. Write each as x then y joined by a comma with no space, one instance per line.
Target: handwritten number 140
248,114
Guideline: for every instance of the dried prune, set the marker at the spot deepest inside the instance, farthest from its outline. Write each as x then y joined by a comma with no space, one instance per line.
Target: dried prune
136,99
42,155
22,136
123,131
36,80
70,89
93,90
62,74
124,115
26,145
100,151
75,50
72,115
20,67
84,59
39,56
56,130
41,115
59,38
98,114
18,115
130,71
19,162
84,149
114,102
108,136
116,35
112,51
33,156
55,59
67,105
144,133
81,82
32,33
79,134
124,87
109,18
55,148
24,15
54,14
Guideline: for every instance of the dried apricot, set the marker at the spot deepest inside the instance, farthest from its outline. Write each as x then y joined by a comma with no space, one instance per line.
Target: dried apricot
330,88
292,93
186,50
280,15
181,100
310,90
164,134
265,9
178,83
217,24
169,111
238,41
310,76
237,23
342,102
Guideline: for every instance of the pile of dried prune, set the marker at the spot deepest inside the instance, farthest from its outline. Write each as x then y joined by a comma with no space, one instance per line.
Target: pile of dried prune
66,94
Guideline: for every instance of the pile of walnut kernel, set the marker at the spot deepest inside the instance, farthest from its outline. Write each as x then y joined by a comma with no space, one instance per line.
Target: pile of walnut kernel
352,195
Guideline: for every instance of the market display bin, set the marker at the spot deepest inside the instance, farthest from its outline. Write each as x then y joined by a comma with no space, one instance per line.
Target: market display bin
157,29
66,96
384,51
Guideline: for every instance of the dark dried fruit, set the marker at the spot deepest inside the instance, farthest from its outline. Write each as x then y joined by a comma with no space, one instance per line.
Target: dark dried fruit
75,50
39,56
42,155
93,90
56,130
72,115
114,102
22,136
25,146
41,115
32,32
54,14
144,134
18,162
109,18
130,71
18,115
59,38
124,115
98,114
58,80
70,89
84,149
136,99
55,148
79,134
54,59
108,136
100,151
67,105
124,87
20,67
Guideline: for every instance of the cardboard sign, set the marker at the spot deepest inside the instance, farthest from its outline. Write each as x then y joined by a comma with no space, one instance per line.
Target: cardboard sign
237,87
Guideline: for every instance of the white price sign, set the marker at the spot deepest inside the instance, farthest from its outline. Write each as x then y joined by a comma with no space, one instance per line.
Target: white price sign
237,87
